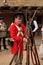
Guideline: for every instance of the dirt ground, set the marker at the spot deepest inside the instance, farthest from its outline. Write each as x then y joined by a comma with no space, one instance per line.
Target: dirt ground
6,56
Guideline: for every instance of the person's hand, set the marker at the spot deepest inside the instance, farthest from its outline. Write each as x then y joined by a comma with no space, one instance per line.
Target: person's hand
3,29
41,29
27,36
0,24
25,40
32,31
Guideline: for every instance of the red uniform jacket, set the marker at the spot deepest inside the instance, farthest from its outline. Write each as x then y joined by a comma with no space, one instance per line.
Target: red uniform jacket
17,39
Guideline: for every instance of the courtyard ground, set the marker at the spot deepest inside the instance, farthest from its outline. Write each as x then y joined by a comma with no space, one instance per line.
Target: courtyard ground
6,56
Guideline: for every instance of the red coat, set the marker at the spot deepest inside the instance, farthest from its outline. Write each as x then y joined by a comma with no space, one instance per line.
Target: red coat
17,39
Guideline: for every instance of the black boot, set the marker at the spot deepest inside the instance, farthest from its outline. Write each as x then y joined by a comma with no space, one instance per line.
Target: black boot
4,44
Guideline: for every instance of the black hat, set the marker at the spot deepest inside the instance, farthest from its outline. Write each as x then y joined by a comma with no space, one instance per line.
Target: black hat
18,15
1,17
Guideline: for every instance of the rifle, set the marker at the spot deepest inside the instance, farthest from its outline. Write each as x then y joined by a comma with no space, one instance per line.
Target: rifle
17,50
33,50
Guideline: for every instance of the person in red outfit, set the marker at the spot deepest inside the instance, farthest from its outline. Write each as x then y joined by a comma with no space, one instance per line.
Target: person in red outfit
17,31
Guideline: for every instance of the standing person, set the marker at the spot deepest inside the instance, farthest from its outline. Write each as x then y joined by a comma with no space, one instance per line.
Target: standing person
34,27
41,46
42,32
2,32
17,31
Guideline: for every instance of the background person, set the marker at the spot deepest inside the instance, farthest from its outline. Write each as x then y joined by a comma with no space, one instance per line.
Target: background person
3,28
34,27
42,32
41,46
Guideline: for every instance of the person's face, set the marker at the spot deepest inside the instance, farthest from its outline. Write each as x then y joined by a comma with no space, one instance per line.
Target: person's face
1,21
18,21
30,19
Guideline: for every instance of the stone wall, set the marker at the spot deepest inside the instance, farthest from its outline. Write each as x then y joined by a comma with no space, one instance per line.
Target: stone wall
22,2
